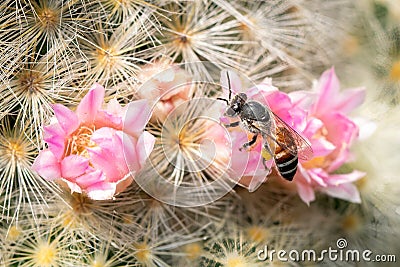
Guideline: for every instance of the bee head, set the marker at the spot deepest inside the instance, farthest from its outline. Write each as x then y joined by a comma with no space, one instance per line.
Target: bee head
236,105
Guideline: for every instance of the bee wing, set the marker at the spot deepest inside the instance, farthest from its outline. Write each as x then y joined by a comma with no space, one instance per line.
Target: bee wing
286,137
267,130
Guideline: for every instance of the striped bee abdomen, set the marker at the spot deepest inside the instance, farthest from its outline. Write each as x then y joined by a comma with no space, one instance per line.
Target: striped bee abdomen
285,160
286,163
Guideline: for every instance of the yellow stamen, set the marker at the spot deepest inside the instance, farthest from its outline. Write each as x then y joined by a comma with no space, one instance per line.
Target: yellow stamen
45,255
79,141
258,234
236,261
30,81
143,253
99,262
361,183
13,233
395,71
351,223
317,162
16,150
351,45
49,18
106,57
193,251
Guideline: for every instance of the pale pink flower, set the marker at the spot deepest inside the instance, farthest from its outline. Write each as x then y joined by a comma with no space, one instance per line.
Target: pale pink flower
96,151
165,85
331,134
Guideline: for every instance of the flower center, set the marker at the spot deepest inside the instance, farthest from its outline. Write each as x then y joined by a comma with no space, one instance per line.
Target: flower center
13,233
395,71
258,234
30,82
99,262
193,251
351,223
106,57
122,2
248,30
182,39
143,254
236,261
80,141
48,18
319,162
45,255
351,45
16,151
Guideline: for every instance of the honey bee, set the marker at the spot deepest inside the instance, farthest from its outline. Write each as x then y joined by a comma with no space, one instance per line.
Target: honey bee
280,141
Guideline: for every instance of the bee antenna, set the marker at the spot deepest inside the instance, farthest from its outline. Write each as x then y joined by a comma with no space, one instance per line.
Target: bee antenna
223,99
229,85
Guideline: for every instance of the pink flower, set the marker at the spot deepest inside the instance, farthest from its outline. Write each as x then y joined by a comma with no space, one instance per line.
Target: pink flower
331,134
165,85
93,150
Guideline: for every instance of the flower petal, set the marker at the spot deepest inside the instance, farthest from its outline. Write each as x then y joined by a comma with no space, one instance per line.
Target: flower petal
131,157
306,192
54,136
167,75
144,146
90,104
91,178
350,99
337,179
321,147
71,185
341,130
319,176
136,117
108,156
256,181
124,183
73,166
303,99
105,119
114,107
313,126
328,88
47,165
66,118
347,192
101,191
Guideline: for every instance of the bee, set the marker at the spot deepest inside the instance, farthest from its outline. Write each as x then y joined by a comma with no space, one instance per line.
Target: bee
280,141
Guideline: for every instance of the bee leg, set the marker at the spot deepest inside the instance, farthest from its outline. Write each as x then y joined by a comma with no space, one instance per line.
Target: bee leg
264,163
233,124
250,143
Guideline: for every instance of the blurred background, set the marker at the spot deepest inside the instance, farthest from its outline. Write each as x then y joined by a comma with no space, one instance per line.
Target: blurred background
53,51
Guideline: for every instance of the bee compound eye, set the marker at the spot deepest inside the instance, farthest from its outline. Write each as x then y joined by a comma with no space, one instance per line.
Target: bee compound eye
243,97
